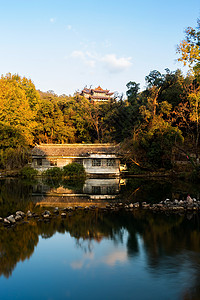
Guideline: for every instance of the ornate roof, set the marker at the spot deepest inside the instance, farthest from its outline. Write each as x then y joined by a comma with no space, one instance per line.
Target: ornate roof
100,90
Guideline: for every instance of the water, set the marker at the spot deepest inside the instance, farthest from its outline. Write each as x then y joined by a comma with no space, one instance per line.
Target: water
99,255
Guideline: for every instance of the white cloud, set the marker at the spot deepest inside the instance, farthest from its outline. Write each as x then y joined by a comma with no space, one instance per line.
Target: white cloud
114,64
85,57
78,264
110,61
69,27
52,20
78,54
114,257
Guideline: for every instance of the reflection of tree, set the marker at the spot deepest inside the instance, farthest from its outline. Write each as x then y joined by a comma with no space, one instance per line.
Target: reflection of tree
155,190
84,245
16,244
14,195
165,238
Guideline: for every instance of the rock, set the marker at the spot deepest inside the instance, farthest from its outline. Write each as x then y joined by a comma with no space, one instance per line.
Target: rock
18,218
46,212
11,219
64,209
6,222
189,200
29,214
36,216
131,205
46,216
1,219
20,213
145,206
63,215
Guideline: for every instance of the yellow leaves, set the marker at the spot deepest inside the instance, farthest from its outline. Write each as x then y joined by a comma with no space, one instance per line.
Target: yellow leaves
189,48
194,100
14,106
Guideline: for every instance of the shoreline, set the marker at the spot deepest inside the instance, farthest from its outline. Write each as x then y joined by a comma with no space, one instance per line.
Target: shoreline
167,207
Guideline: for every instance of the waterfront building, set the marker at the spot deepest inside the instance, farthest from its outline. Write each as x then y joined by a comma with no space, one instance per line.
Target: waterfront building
99,159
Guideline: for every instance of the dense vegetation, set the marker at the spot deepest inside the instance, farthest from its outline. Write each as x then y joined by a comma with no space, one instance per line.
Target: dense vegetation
150,123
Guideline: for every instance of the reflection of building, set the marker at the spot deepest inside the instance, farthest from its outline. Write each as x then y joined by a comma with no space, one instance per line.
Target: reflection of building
97,95
99,159
101,188
93,191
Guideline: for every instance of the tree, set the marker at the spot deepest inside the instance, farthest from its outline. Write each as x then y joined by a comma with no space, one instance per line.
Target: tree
189,49
132,93
14,107
155,78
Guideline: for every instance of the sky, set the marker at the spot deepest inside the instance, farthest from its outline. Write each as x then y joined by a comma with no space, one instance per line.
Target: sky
65,45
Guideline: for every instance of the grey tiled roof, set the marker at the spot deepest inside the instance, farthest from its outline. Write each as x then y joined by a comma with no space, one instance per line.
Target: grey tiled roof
73,149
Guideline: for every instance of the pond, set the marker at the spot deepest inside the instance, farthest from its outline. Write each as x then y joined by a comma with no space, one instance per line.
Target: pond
98,254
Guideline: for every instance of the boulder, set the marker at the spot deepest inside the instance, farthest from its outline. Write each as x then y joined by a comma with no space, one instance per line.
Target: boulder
189,200
63,215
29,214
11,219
18,218
6,222
20,213
46,216
46,212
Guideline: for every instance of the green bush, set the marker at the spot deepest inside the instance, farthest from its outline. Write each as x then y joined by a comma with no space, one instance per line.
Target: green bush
54,172
74,170
28,172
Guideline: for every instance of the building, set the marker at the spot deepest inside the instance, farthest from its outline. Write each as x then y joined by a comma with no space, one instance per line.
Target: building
97,159
96,95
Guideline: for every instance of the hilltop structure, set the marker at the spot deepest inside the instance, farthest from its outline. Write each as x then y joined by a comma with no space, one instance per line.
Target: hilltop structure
96,95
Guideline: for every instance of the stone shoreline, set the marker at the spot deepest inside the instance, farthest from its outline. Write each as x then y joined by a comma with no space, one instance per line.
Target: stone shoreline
169,207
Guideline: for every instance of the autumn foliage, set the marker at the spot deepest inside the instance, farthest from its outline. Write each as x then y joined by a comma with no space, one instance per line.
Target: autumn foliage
150,123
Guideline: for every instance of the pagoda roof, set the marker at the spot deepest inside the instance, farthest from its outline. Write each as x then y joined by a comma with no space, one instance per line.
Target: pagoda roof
87,91
100,90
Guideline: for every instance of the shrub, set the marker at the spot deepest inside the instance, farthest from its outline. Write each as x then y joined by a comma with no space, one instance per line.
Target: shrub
28,172
74,170
53,172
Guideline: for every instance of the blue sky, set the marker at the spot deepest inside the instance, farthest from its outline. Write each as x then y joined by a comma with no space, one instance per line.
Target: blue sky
65,45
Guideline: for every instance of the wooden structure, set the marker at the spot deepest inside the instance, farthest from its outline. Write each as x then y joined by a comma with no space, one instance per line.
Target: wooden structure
96,95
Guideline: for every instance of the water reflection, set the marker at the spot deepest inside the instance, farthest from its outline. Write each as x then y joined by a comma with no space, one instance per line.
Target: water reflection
162,251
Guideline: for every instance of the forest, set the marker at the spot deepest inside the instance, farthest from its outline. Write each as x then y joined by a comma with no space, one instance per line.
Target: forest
149,124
